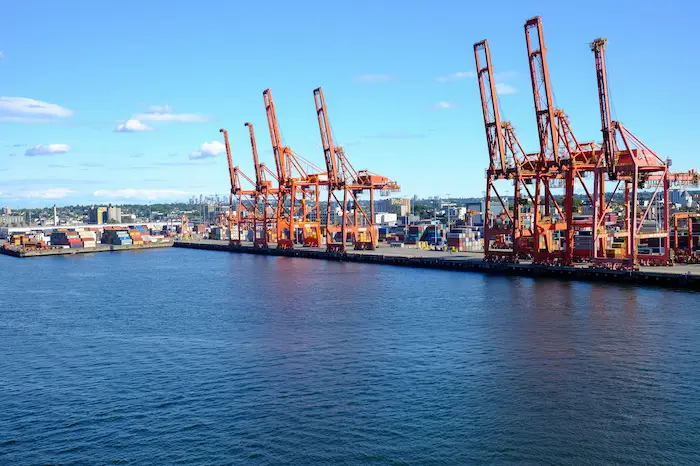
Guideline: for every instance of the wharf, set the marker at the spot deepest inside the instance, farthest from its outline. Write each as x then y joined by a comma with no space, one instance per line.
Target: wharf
677,276
17,252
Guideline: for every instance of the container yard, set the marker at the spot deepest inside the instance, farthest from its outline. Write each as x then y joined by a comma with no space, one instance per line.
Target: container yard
529,217
85,240
530,212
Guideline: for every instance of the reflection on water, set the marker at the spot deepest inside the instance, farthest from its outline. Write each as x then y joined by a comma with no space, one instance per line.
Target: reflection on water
204,357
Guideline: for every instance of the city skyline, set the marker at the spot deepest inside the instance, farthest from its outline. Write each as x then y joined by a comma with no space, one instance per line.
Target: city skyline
402,97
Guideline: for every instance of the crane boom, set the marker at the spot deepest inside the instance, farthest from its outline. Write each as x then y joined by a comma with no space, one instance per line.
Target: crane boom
489,105
542,92
231,168
256,162
278,150
326,137
609,144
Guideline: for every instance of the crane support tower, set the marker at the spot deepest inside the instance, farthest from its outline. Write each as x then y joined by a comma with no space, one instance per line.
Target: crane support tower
264,227
356,223
630,164
505,236
242,202
299,183
563,163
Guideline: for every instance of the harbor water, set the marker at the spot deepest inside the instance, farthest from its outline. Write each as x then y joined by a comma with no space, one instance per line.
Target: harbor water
199,357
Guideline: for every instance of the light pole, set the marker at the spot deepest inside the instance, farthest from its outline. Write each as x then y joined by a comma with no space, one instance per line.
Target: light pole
448,210
435,221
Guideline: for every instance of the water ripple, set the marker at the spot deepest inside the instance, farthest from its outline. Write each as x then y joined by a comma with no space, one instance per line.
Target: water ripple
196,357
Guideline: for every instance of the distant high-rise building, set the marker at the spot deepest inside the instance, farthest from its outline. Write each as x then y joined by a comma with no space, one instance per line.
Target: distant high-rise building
98,215
675,195
389,205
55,216
128,218
114,214
336,214
6,210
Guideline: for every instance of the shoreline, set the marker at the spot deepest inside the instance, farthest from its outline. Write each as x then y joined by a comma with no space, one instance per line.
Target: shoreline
680,276
20,253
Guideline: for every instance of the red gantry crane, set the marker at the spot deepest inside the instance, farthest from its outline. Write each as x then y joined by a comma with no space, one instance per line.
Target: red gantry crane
355,221
628,160
507,161
562,158
548,161
245,200
641,238
265,197
299,182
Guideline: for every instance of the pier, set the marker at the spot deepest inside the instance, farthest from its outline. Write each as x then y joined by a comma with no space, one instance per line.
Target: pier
678,276
23,253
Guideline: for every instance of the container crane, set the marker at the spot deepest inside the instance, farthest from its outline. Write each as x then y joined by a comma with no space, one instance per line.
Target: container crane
264,195
561,157
299,182
628,160
548,162
244,199
342,176
507,161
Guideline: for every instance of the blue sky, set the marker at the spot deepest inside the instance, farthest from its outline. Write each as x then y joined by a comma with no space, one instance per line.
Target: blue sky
397,77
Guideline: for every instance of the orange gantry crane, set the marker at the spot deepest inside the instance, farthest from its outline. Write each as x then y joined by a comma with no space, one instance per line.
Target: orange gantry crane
243,217
561,158
266,199
627,160
354,222
643,237
507,161
298,192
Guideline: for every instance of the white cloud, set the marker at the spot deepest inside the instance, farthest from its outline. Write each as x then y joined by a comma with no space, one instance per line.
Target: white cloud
18,108
375,78
131,126
48,149
456,76
2,54
131,193
207,150
51,193
165,113
442,105
160,109
505,89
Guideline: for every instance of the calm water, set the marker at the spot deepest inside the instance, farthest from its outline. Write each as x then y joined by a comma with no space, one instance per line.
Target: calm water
199,357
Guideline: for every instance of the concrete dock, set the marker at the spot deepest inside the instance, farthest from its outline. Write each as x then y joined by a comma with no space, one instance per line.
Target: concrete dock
678,276
19,252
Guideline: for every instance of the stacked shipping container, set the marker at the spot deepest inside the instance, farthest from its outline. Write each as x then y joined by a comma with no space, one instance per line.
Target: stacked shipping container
464,239
89,238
